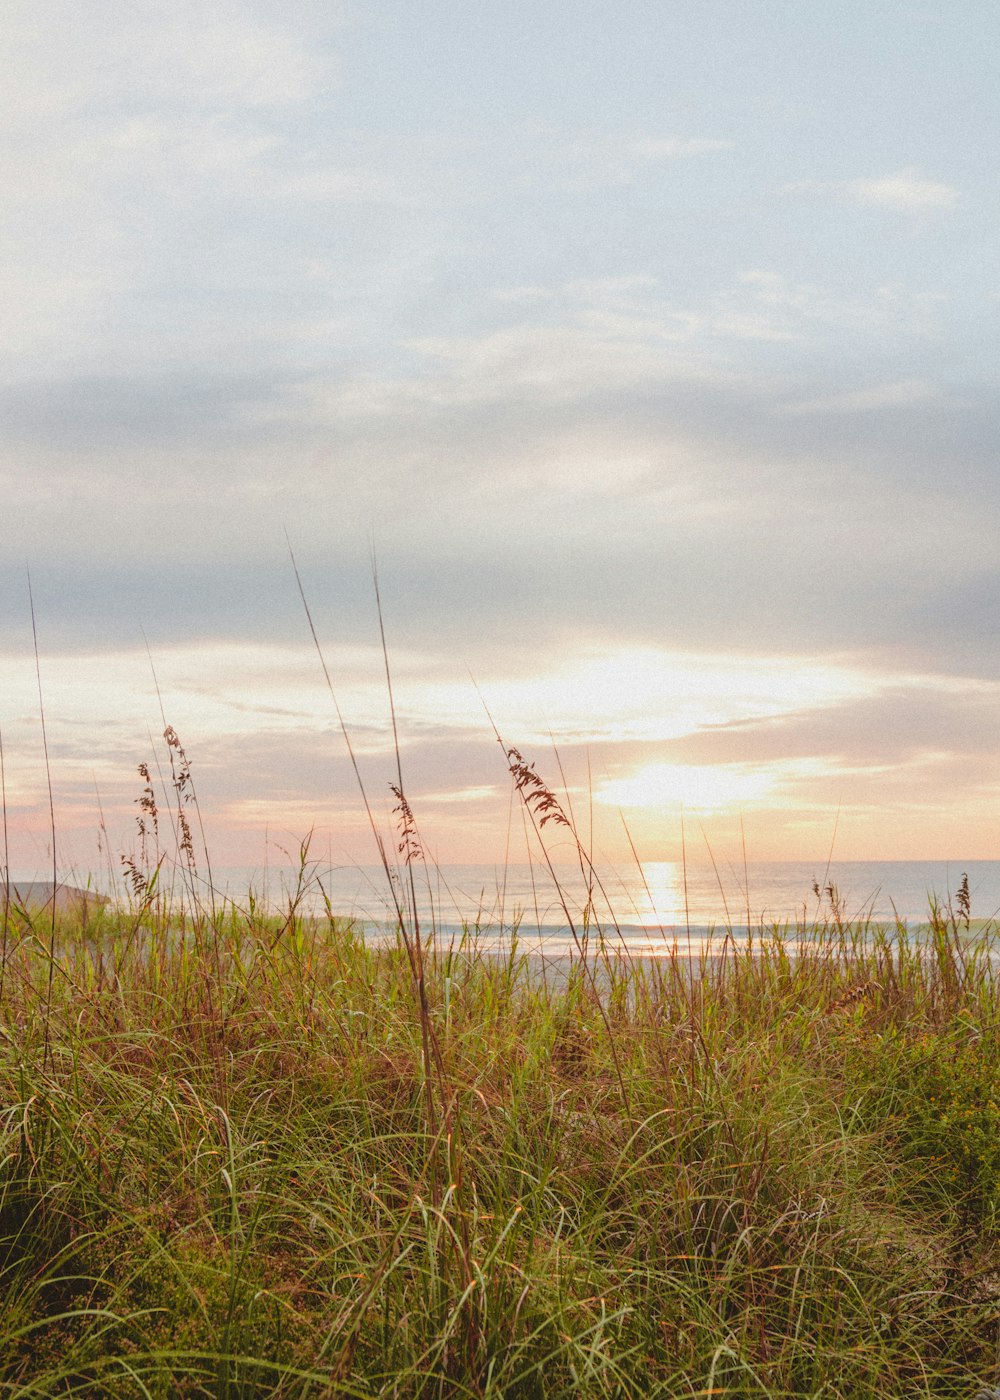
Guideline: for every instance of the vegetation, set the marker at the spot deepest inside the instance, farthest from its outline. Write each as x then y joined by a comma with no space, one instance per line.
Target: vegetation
247,1156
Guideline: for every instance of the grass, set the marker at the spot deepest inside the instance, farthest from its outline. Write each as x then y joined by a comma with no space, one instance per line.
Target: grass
242,1156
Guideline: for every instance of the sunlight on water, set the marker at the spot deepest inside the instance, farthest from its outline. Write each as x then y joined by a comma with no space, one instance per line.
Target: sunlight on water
651,905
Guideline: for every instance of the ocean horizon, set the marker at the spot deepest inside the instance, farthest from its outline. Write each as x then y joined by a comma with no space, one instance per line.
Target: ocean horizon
656,896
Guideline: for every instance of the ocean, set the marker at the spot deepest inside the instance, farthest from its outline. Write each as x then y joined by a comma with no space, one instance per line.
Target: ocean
652,903
647,909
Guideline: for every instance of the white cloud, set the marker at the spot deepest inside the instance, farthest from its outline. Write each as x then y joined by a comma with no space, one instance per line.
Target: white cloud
656,148
525,295
591,162
595,335
596,696
120,134
900,393
648,694
698,788
148,54
908,191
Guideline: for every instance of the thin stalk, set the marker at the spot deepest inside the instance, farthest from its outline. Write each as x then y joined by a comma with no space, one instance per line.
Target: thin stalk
684,874
399,775
412,952
194,798
746,872
429,1046
52,826
536,824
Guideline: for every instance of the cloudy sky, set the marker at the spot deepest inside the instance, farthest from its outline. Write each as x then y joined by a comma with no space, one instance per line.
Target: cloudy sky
652,347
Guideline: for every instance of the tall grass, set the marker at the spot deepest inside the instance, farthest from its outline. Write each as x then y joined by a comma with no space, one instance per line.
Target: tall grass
772,1173
249,1153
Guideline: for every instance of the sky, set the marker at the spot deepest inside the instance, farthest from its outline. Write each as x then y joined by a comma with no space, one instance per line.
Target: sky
649,350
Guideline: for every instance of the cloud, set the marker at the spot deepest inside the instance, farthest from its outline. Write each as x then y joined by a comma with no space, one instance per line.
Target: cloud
651,694
656,148
604,409
900,393
908,191
906,718
134,153
589,162
608,458
691,788
594,333
603,152
779,735
606,694
152,55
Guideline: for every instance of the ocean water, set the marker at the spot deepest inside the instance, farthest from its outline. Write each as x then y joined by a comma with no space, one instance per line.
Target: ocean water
648,910
657,900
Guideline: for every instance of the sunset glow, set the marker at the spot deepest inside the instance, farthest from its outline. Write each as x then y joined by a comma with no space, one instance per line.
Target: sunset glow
674,787
658,403
770,747
499,693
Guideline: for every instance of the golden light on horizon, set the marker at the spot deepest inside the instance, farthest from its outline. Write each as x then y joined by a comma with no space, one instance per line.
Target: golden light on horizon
634,730
634,694
698,788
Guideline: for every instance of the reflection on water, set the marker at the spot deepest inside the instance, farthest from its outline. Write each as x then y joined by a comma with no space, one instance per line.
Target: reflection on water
660,897
650,906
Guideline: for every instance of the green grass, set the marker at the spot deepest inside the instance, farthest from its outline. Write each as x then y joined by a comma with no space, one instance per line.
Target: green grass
245,1159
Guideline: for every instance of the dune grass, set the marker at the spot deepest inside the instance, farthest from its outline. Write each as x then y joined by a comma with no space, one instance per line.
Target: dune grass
246,1156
